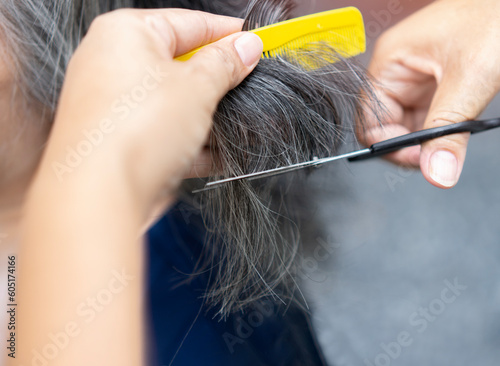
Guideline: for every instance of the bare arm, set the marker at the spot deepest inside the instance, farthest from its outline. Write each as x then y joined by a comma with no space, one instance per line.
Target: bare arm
136,120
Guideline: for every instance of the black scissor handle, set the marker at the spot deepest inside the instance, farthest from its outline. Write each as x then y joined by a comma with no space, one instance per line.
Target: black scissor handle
416,138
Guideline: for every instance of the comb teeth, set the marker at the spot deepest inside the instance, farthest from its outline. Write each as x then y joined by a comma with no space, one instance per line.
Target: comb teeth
341,29
346,38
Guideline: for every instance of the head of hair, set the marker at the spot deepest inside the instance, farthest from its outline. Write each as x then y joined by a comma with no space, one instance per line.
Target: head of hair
40,38
283,113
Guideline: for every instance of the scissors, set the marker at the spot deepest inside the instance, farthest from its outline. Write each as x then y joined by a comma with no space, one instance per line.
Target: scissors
375,150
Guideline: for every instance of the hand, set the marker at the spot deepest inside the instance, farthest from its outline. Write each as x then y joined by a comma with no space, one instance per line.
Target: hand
154,112
437,67
130,122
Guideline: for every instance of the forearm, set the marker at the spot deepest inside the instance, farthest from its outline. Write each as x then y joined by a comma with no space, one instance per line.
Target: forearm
81,231
81,270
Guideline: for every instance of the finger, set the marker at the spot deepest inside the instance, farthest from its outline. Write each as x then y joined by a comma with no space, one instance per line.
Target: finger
387,111
408,157
221,66
388,124
185,30
459,98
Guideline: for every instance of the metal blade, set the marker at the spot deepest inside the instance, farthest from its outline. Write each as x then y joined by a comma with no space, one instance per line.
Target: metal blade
282,170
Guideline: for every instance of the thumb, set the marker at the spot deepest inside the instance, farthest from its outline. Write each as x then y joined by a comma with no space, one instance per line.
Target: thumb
459,98
223,65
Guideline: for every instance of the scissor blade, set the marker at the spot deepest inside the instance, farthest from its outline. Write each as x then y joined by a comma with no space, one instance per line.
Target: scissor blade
282,170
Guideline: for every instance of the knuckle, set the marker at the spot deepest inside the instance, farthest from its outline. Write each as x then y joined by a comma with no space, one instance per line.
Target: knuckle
386,41
455,143
228,61
209,34
222,54
200,76
446,117
123,14
98,23
197,69
464,107
120,17
219,67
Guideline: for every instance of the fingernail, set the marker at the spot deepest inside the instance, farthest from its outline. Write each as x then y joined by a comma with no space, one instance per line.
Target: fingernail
249,48
443,168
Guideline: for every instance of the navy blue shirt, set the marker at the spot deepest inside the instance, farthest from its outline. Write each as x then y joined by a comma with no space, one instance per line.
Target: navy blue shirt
184,332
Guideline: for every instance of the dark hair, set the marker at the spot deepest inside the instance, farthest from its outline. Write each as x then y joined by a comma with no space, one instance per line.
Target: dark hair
283,113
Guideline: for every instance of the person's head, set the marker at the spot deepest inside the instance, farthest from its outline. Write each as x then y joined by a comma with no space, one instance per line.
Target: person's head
37,40
284,113
281,114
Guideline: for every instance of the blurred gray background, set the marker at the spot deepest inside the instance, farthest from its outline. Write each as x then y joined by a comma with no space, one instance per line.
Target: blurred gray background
414,274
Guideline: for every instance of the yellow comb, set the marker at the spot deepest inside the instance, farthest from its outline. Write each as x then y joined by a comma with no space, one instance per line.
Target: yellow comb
342,29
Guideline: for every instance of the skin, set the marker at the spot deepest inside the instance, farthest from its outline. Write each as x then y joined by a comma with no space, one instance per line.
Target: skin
437,67
98,212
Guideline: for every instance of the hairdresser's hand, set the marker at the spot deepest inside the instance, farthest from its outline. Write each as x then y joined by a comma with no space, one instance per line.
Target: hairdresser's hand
437,67
130,123
157,112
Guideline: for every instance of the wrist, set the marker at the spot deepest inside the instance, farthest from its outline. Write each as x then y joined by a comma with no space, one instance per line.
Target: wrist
89,161
99,180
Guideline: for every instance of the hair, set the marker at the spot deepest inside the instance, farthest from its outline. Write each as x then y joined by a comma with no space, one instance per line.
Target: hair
40,39
283,113
221,7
